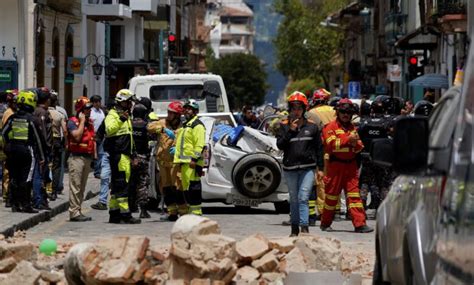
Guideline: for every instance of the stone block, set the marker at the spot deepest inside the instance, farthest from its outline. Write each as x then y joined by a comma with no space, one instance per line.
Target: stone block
116,271
24,273
266,263
198,281
22,250
293,262
247,274
284,245
251,248
7,265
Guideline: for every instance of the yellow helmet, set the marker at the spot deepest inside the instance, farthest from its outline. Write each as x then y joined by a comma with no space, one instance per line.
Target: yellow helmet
27,98
124,95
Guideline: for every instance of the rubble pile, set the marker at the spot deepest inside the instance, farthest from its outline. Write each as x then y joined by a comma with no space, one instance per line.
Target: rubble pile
20,263
200,254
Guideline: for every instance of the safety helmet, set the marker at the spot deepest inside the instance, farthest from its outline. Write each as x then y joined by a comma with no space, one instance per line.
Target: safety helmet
43,94
346,105
423,108
377,107
140,111
124,95
82,103
333,101
176,107
145,101
27,98
191,103
11,95
321,94
296,97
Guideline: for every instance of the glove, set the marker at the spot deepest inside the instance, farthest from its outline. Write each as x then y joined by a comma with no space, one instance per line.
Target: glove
172,150
169,133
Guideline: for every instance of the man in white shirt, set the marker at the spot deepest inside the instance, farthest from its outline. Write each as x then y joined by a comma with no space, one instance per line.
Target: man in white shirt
97,117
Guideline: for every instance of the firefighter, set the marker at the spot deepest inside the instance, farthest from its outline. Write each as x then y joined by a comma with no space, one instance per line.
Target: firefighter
372,177
23,148
325,114
119,144
82,150
342,143
151,116
300,140
190,143
140,172
166,130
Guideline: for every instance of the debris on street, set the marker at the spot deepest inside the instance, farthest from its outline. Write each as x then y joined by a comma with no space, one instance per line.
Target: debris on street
199,254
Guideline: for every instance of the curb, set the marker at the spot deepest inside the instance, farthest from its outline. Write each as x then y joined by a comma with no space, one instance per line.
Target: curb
40,217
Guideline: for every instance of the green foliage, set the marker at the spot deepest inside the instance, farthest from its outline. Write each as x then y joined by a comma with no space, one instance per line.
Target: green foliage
305,49
244,78
307,86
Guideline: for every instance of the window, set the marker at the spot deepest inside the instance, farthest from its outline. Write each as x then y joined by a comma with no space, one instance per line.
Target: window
117,41
176,92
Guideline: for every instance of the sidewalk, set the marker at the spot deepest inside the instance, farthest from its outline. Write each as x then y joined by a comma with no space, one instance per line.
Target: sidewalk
11,222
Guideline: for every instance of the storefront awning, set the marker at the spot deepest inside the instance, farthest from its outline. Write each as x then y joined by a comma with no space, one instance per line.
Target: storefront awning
425,37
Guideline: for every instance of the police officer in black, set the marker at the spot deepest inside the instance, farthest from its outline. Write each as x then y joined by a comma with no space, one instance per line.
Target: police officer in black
140,179
23,148
373,178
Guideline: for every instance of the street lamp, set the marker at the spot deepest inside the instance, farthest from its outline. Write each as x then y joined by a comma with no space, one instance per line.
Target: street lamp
100,62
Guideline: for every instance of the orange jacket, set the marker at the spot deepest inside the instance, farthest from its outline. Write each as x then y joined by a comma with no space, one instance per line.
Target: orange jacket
336,141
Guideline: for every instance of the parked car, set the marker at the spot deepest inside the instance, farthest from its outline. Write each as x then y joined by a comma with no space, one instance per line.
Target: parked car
436,217
407,219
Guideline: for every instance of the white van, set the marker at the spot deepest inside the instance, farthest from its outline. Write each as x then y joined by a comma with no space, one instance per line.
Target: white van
207,89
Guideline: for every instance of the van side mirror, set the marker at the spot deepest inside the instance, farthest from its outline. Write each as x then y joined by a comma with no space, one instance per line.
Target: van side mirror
408,153
212,88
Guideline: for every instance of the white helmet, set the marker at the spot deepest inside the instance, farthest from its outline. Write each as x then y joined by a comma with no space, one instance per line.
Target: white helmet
124,95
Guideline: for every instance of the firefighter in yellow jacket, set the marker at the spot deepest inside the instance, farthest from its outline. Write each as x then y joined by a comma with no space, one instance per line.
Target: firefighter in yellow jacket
166,130
190,143
119,144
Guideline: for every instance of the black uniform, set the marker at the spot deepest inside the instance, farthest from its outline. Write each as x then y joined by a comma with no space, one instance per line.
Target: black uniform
23,149
373,178
140,180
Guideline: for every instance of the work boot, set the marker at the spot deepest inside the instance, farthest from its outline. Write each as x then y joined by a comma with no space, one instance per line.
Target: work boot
326,228
364,229
169,218
295,230
8,203
304,230
312,220
80,218
16,208
130,220
144,213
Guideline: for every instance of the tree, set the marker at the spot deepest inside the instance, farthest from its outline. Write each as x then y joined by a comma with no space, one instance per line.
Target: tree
244,78
306,86
305,49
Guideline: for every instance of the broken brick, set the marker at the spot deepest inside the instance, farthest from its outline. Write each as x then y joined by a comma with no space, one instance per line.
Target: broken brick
266,263
136,248
251,248
116,270
284,245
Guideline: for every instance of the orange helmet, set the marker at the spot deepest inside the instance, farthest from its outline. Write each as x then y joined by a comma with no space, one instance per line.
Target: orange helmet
81,103
298,97
176,107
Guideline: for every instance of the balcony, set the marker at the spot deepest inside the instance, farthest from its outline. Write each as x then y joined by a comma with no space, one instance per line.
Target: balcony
452,15
145,7
395,27
106,10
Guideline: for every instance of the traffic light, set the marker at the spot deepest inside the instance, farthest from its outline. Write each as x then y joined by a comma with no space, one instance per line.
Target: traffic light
171,45
414,68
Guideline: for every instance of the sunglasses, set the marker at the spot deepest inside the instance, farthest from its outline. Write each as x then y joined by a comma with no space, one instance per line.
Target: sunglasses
346,112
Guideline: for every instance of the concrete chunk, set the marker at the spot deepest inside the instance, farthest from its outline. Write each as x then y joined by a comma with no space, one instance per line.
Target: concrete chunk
267,263
284,245
251,248
24,273
7,265
246,274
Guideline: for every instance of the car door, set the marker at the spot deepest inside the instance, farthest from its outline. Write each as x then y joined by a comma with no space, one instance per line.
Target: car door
222,160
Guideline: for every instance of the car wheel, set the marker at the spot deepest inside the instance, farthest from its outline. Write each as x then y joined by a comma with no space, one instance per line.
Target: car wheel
257,175
378,275
282,207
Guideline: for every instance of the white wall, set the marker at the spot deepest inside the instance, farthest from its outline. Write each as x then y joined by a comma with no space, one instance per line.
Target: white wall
133,30
9,32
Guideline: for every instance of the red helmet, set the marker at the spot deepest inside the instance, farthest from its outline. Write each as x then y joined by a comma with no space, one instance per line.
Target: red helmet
176,107
321,94
81,103
346,105
298,97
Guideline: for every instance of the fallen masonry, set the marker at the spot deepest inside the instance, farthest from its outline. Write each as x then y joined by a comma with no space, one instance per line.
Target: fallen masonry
199,254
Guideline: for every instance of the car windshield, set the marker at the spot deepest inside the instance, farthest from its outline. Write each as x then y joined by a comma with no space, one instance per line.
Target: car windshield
176,92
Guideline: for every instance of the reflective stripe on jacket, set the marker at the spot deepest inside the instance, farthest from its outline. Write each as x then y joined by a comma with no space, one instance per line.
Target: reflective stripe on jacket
336,141
118,134
190,142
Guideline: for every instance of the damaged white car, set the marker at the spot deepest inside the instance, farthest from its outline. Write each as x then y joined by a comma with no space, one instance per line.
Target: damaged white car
243,166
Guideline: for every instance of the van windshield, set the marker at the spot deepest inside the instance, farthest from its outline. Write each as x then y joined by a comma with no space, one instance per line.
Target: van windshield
176,92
